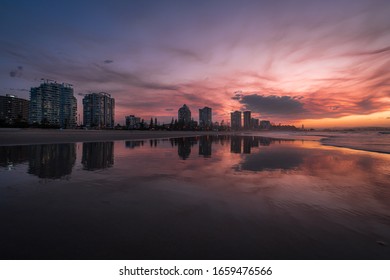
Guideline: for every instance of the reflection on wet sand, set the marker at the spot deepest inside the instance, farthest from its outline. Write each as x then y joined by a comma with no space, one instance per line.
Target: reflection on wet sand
184,146
208,197
52,161
55,161
45,161
135,143
205,146
98,155
13,155
238,144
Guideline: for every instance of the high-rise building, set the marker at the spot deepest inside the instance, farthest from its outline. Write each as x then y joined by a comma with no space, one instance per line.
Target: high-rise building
53,104
68,107
265,124
205,117
235,120
13,110
255,123
132,122
247,120
99,110
184,115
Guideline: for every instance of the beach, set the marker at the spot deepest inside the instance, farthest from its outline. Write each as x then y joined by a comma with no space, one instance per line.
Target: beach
234,196
16,136
371,141
30,136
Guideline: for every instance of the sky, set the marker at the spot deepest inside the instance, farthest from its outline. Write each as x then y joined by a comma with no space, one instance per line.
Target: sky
317,63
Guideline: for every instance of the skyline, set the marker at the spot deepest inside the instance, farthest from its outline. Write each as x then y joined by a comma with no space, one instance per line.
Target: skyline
320,64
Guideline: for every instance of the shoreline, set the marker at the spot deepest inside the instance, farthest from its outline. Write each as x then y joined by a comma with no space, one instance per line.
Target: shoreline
36,136
32,136
16,137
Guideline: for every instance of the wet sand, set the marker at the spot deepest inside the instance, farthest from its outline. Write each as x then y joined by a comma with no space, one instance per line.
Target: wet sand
366,141
11,136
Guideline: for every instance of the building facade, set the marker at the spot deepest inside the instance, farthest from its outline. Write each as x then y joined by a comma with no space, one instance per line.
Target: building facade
99,110
205,118
184,115
53,104
235,120
68,107
133,122
13,110
265,124
255,123
247,120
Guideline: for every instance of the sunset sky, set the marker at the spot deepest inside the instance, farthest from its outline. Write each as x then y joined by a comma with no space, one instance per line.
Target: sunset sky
318,63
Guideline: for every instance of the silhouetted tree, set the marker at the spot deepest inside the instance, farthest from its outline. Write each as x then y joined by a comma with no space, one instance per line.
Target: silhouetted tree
172,123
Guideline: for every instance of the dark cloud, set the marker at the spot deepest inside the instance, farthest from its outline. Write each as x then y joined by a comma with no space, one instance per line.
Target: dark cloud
169,110
272,104
17,72
108,61
366,104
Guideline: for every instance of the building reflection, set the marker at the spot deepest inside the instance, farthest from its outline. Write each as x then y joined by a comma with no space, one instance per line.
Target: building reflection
154,142
247,144
244,144
238,144
184,145
98,155
134,144
222,139
205,143
52,161
235,144
264,141
13,155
